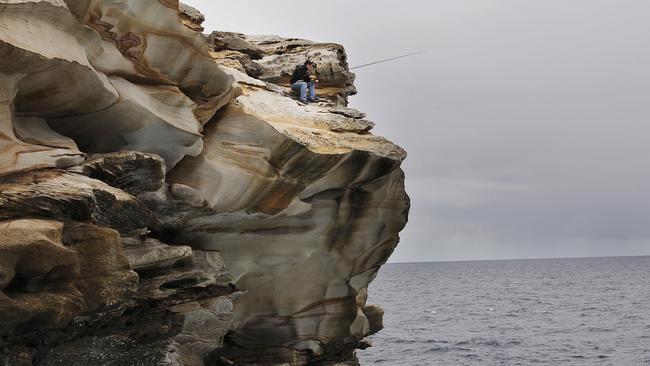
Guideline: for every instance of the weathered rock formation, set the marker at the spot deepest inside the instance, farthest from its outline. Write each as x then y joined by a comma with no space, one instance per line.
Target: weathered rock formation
273,59
164,200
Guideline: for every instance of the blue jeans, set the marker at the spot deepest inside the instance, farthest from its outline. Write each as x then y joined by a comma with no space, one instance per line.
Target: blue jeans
301,88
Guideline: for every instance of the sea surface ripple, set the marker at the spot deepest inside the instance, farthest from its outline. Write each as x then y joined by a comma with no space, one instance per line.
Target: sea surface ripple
591,311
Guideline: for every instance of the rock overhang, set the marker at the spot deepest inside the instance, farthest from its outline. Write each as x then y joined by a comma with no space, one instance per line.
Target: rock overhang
231,185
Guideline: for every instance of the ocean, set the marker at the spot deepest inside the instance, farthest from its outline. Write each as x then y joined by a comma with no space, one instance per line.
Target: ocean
591,311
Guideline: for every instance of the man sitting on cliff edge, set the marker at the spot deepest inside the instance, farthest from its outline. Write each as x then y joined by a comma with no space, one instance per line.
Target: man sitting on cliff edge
303,78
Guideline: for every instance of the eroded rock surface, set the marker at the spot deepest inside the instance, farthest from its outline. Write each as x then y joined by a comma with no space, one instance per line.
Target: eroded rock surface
283,54
273,59
165,201
191,17
317,198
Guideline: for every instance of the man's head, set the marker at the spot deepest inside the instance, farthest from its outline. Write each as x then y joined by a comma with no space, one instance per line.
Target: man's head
310,64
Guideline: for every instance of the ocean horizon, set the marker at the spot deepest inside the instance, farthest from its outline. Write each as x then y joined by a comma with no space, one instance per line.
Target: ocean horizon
520,259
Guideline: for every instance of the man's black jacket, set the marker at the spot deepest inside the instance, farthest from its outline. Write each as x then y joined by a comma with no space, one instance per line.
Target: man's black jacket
300,73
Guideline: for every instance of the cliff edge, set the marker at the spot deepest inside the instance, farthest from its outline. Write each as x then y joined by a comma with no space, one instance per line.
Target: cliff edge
164,200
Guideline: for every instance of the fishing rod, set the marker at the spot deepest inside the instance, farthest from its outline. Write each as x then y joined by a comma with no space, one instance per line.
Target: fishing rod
386,60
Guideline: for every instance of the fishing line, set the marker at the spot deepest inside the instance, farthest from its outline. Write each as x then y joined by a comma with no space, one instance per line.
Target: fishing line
386,60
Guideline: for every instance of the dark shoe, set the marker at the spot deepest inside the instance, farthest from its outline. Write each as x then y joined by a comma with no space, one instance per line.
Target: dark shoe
309,100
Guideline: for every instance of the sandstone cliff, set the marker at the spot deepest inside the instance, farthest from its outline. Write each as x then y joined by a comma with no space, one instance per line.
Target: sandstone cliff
165,201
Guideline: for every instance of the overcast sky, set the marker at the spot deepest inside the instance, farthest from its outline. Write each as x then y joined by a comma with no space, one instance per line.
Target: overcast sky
527,122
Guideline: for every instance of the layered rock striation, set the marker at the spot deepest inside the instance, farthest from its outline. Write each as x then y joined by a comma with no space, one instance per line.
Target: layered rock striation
165,201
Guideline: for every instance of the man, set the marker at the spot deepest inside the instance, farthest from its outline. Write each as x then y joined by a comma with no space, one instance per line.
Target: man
304,79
